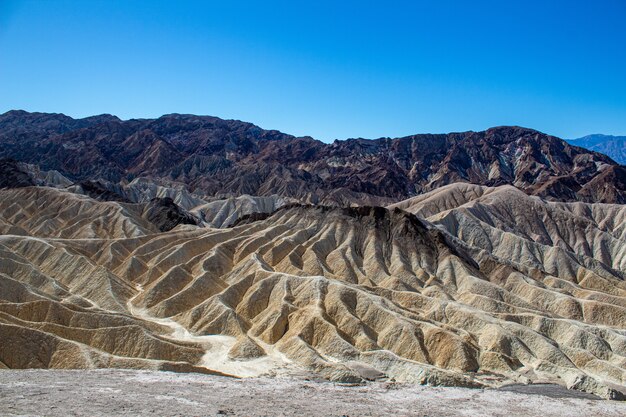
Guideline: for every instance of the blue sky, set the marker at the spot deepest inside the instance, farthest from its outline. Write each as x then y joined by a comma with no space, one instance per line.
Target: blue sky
328,69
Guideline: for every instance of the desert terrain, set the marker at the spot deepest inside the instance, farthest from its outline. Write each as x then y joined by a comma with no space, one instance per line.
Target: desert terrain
105,392
514,280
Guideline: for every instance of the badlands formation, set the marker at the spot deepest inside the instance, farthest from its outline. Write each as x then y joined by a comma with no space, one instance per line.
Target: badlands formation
466,285
195,244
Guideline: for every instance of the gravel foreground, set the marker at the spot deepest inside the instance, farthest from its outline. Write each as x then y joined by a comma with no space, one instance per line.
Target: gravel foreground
111,392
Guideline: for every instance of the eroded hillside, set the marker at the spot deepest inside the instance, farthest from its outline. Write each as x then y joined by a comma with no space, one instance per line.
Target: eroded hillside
483,286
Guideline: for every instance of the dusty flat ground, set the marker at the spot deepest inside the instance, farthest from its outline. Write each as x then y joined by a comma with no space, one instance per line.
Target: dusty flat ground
110,392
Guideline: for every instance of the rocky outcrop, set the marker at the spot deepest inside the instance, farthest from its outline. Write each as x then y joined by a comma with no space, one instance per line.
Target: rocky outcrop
166,215
49,212
12,175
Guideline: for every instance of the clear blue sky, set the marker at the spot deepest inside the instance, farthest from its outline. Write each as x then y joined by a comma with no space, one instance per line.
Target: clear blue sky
329,69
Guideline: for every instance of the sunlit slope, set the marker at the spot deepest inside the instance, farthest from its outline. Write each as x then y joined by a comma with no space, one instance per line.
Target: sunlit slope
49,212
344,293
552,236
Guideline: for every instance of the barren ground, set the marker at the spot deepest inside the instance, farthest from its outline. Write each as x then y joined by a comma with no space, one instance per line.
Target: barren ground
109,392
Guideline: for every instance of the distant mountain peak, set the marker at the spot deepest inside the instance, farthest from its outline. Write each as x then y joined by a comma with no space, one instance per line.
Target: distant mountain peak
613,146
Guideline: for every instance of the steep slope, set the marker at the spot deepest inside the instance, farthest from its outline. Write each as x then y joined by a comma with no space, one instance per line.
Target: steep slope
223,213
14,174
49,212
166,215
344,293
613,146
223,158
210,211
525,229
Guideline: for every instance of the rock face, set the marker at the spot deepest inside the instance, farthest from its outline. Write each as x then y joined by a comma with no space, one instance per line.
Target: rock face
166,215
522,229
12,175
217,157
488,286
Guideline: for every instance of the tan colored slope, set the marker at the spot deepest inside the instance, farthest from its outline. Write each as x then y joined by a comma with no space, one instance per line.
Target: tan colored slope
50,212
345,293
514,226
225,212
142,190
62,311
443,198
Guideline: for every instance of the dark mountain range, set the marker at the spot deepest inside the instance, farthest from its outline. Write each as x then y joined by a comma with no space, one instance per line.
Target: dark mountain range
613,146
227,157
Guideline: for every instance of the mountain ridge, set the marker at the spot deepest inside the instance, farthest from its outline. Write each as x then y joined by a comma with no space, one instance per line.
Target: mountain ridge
230,158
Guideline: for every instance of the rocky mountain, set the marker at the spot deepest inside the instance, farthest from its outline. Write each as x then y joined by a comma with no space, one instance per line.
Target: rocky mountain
613,146
528,230
221,158
196,244
19,125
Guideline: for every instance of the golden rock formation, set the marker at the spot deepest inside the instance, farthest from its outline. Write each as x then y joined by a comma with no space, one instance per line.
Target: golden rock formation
492,286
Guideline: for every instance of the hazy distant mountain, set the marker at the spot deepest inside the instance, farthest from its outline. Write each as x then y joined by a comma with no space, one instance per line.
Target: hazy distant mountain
613,146
216,157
